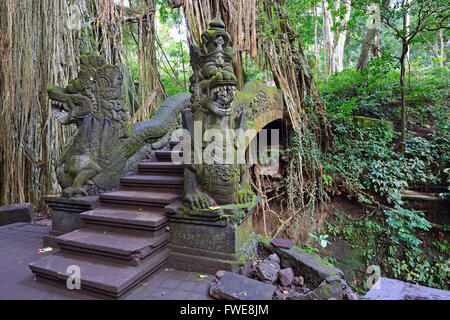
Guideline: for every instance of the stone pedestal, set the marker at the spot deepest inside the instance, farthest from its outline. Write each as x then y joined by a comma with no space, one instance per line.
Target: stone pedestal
212,240
66,215
13,213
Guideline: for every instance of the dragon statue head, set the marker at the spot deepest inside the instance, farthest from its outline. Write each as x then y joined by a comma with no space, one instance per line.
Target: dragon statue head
95,92
213,84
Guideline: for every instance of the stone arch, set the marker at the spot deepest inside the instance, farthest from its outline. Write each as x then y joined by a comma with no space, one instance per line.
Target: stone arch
261,104
261,121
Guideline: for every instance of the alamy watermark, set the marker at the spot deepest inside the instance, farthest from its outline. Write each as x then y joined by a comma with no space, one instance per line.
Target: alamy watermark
74,279
374,272
214,146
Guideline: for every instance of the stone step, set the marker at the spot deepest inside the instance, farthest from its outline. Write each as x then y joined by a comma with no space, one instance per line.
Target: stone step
166,156
140,198
122,219
123,248
161,168
107,278
153,181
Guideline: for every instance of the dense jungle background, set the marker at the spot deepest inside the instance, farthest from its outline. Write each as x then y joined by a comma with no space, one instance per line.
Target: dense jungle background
365,170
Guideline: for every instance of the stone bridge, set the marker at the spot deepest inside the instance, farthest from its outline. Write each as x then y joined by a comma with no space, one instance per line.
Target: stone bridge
262,105
189,216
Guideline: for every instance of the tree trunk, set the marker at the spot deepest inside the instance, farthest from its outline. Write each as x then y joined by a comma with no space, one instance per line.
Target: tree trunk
151,89
373,25
406,27
40,44
328,39
403,56
37,49
342,36
316,40
442,47
376,53
434,50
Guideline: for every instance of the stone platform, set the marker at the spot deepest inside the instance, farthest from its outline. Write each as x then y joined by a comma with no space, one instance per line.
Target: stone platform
20,243
392,289
16,213
212,240
66,215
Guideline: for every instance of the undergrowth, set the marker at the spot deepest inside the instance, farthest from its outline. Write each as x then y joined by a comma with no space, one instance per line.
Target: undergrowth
365,163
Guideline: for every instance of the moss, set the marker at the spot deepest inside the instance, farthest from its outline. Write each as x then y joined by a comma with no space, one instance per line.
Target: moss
366,122
264,240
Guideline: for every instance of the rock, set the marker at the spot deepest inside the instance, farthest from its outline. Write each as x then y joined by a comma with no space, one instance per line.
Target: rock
220,273
286,276
267,271
392,289
299,281
325,291
274,258
236,287
366,122
351,296
282,243
302,262
294,295
407,297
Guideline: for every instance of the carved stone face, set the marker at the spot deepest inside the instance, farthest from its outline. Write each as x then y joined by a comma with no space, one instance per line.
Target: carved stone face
96,91
68,108
221,97
213,66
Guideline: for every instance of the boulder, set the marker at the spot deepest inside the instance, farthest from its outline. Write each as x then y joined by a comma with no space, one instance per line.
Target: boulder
350,295
286,277
366,122
303,263
393,289
282,243
267,271
274,258
299,281
325,291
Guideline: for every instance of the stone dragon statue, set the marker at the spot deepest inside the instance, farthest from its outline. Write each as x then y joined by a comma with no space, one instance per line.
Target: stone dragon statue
106,146
213,88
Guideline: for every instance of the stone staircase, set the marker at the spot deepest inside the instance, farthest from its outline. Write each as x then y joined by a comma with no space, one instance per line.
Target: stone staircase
124,240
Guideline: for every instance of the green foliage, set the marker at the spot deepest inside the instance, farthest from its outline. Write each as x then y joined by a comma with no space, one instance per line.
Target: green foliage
321,239
364,162
363,157
305,154
403,223
395,242
173,50
310,249
371,92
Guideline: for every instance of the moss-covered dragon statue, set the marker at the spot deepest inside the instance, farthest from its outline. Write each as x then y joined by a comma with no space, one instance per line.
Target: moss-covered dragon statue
106,145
